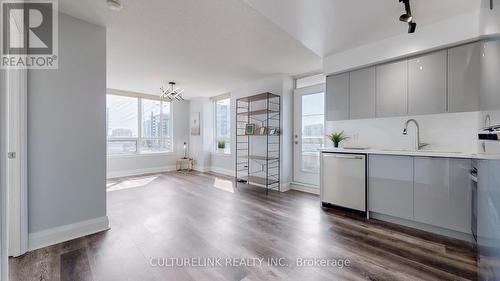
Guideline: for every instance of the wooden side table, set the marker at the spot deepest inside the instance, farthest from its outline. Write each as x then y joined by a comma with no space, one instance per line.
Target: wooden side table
184,161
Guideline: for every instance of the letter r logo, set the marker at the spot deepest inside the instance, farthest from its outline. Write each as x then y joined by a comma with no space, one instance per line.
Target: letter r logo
27,28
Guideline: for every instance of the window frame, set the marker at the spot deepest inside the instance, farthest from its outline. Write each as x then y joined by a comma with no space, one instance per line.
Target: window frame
216,139
138,140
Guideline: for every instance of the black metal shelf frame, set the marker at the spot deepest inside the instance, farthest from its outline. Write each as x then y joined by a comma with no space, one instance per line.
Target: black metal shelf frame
263,169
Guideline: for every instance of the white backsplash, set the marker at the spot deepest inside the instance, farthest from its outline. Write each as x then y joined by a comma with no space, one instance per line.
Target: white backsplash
450,132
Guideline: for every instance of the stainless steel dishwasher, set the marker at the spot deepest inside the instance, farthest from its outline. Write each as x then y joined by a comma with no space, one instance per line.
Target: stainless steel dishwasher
343,180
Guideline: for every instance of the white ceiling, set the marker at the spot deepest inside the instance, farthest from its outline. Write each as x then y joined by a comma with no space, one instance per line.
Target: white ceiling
331,26
207,46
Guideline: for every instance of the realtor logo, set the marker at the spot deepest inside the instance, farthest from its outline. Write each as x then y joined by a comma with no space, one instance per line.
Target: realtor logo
29,34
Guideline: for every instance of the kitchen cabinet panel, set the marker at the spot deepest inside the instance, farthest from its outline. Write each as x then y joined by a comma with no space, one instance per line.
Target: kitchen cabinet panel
390,181
490,82
362,93
464,78
391,89
442,192
427,84
488,217
337,97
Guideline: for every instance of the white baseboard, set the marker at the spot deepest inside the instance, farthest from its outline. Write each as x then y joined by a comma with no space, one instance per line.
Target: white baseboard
222,171
285,187
137,172
202,169
305,188
67,232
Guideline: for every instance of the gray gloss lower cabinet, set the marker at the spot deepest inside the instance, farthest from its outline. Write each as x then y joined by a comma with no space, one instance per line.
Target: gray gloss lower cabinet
362,93
390,185
427,84
392,85
337,97
442,192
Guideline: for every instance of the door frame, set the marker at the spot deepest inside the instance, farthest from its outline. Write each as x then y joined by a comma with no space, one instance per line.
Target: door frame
17,168
16,131
3,178
297,119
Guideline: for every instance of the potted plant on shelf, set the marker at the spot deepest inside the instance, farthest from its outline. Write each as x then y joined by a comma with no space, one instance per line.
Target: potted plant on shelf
221,144
337,137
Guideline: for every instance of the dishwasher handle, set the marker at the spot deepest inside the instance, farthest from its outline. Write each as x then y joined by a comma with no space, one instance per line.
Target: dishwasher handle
344,156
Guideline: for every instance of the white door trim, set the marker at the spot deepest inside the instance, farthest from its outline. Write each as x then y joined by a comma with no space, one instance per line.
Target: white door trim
3,181
297,119
17,169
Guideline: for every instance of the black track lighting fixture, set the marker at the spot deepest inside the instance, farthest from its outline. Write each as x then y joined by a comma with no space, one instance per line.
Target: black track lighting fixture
407,17
412,27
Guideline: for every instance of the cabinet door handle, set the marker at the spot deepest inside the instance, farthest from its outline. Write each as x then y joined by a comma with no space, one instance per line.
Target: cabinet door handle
344,156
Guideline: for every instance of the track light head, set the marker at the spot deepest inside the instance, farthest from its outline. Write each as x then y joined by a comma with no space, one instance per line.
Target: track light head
412,26
406,18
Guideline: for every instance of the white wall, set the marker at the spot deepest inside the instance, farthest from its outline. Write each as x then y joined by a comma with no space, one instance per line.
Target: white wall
452,132
127,165
66,131
476,24
200,146
459,29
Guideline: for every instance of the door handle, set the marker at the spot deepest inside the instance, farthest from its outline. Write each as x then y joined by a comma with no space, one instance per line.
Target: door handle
344,156
11,155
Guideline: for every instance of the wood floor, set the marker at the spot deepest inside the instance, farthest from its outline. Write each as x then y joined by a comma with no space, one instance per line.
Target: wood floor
174,215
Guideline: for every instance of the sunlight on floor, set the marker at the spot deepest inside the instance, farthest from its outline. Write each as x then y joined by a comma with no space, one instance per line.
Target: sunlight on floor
225,185
114,185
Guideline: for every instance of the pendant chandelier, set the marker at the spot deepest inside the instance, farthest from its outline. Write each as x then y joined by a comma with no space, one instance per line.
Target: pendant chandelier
172,93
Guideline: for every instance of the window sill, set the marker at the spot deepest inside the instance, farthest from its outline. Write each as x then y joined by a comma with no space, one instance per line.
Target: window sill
221,153
133,155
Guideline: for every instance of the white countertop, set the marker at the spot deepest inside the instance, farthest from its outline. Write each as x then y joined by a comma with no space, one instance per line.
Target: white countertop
424,153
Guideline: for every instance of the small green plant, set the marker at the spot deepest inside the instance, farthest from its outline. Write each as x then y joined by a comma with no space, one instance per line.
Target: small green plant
337,137
221,144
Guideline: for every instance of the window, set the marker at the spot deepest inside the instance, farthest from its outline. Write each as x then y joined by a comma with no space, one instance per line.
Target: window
223,126
138,125
310,81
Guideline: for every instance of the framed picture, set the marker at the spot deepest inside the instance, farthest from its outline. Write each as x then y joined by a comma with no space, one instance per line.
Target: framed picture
262,130
250,129
195,124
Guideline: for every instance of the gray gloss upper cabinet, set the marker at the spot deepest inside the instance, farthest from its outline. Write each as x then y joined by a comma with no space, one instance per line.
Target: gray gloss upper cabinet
490,82
464,78
391,93
337,97
442,192
362,93
427,84
390,185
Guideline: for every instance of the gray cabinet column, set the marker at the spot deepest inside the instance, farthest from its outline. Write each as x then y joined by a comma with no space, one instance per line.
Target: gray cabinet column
337,97
464,78
362,93
391,93
427,84
490,71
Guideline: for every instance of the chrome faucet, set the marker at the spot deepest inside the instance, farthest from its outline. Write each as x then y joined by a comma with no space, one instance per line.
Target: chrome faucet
418,144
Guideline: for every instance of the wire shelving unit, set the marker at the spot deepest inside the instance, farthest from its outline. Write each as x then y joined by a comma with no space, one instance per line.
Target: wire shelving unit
258,153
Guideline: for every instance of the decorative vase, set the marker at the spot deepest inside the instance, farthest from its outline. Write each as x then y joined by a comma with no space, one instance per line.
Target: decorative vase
335,144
